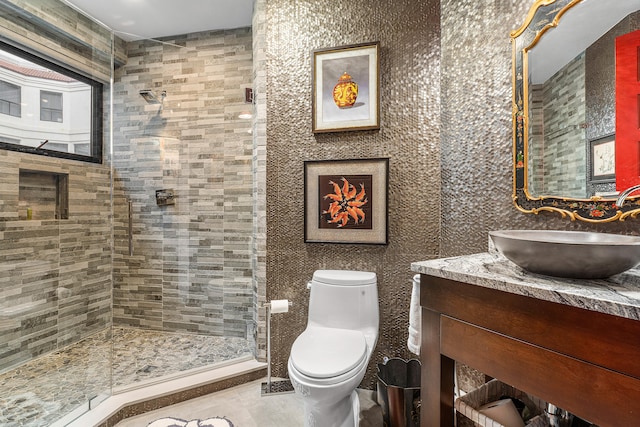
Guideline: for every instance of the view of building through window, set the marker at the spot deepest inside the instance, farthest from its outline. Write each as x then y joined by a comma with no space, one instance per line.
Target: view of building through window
43,108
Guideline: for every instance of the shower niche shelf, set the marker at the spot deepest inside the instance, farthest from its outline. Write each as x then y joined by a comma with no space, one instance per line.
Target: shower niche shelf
43,195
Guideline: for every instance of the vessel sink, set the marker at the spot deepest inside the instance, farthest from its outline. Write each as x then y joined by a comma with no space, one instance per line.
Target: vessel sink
571,254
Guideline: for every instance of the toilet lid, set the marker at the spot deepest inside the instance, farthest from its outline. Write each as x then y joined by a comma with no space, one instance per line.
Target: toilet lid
344,277
328,352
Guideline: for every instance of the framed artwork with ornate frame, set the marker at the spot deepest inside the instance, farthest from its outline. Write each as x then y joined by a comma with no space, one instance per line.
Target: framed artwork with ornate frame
345,201
346,88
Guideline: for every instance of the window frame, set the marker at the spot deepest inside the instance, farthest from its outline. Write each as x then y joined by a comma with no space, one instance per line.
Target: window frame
97,88
51,111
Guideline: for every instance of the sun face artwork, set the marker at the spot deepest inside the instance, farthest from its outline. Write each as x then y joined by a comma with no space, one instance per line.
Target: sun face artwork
345,201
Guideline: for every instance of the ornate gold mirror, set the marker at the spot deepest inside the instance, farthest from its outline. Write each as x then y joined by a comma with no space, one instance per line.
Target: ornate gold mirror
566,137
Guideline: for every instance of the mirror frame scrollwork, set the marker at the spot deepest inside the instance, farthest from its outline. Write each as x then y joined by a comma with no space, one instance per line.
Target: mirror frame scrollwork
544,15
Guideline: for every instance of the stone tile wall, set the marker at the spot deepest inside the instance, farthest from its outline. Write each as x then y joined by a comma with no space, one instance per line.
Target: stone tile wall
55,30
536,133
191,268
565,153
55,275
259,35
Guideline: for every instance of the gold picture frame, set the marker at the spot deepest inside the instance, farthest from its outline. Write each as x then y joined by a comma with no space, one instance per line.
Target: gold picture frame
346,88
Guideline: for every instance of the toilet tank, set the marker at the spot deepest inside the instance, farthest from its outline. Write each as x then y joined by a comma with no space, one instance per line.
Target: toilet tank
344,299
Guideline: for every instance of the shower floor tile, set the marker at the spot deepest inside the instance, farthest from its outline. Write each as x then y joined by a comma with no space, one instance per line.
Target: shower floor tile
43,390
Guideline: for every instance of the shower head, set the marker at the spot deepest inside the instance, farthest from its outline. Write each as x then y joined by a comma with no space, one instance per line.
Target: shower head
151,97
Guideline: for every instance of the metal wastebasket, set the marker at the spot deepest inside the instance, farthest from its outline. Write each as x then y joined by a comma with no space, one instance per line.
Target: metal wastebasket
398,392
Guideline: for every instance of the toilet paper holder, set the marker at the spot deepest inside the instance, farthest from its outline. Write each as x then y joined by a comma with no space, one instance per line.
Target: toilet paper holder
274,387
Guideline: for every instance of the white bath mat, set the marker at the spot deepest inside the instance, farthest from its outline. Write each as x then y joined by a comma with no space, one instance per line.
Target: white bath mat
177,422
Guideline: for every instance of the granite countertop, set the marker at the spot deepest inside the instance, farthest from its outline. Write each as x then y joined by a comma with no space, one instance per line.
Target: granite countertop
618,295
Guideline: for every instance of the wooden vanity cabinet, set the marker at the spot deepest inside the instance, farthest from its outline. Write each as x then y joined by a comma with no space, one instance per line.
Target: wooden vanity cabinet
583,361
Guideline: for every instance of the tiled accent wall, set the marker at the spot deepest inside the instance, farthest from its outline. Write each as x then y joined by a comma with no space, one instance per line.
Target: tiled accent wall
476,122
565,152
191,268
55,275
408,31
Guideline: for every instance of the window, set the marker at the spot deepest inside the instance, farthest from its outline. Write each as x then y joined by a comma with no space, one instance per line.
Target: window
50,106
33,92
10,99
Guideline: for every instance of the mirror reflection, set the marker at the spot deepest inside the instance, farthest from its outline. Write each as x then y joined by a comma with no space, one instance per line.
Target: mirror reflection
571,72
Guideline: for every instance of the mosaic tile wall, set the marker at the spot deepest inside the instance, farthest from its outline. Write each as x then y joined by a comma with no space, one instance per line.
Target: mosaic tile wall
191,268
476,122
55,275
477,129
600,79
408,31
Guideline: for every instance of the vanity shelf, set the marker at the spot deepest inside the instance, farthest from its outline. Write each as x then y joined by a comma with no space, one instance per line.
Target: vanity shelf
574,343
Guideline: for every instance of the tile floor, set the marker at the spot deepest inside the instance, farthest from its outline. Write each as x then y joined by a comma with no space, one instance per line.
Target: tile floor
243,405
41,391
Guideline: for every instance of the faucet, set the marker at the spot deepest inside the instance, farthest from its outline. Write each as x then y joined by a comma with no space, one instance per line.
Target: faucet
623,196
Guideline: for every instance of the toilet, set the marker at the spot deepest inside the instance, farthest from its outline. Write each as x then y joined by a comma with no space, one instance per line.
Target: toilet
329,359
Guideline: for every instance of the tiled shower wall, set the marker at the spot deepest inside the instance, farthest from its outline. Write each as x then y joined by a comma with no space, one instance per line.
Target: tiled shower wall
55,275
191,267
564,124
259,36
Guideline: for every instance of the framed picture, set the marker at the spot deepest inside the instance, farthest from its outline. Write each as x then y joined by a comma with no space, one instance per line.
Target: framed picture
345,201
346,88
602,153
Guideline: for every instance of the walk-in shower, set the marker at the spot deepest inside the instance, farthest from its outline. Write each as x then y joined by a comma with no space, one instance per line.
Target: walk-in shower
123,291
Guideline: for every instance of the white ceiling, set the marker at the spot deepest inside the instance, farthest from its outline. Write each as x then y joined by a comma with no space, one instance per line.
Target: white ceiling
577,29
140,19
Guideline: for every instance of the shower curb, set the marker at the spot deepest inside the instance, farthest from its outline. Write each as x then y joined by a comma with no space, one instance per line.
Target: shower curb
131,403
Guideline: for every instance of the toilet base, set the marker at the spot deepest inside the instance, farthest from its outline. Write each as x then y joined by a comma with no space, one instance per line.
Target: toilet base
345,413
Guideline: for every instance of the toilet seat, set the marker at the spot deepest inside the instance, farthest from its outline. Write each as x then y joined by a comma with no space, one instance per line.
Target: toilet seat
325,353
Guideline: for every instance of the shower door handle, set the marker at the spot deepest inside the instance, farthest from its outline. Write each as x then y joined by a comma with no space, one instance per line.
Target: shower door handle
130,203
